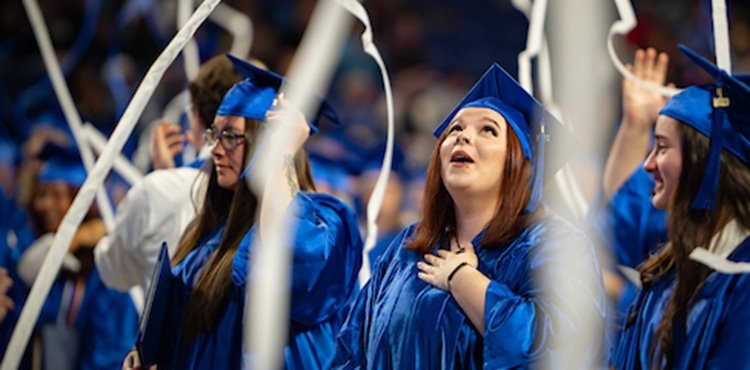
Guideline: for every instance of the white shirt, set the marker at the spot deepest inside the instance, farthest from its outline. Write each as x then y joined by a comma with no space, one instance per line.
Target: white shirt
155,210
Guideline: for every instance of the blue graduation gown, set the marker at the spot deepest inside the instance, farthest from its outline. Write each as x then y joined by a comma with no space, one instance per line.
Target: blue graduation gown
327,255
630,223
629,226
400,322
717,333
17,293
381,245
106,322
14,227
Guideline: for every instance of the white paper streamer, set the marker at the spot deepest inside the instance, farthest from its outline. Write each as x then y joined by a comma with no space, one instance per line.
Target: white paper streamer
121,164
66,102
267,316
721,35
534,39
83,200
376,199
536,46
626,23
190,55
239,25
577,305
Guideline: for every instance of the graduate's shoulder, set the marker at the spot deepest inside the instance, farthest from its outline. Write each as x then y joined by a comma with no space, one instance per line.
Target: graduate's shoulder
322,202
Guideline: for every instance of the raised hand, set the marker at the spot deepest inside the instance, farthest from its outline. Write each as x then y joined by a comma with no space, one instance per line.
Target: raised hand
284,112
166,142
640,105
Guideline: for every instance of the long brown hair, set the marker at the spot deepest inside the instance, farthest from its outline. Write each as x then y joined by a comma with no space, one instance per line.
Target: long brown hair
209,296
689,228
439,213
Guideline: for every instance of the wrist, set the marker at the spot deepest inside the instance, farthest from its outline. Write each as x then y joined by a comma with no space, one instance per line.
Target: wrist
455,271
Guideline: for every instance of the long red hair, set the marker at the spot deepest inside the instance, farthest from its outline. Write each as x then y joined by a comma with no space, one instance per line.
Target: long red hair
438,210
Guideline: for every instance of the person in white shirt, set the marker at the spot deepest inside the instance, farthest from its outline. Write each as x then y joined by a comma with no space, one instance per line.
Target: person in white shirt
158,208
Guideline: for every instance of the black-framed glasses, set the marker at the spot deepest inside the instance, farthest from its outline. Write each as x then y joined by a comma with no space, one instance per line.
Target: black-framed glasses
228,140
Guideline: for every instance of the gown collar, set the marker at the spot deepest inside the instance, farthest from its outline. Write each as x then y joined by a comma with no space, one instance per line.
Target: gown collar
721,247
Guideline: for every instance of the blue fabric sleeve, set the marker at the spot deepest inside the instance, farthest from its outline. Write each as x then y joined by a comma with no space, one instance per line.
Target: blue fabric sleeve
519,327
351,342
629,223
351,339
733,334
327,257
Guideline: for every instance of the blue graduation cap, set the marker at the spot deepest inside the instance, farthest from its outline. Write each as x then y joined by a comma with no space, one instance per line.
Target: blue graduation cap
721,111
61,164
254,96
534,126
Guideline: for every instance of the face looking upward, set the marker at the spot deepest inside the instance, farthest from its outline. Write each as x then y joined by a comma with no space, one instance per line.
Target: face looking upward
664,161
226,138
472,156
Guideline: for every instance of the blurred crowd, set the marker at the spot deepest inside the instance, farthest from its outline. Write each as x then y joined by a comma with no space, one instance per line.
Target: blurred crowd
433,50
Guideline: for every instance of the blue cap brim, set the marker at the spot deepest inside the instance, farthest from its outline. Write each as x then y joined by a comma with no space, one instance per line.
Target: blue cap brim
254,96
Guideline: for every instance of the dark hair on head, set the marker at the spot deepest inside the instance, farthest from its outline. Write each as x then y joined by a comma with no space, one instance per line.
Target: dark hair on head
689,228
215,78
438,210
237,209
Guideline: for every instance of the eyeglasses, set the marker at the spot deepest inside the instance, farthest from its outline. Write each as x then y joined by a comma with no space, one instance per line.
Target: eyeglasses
228,140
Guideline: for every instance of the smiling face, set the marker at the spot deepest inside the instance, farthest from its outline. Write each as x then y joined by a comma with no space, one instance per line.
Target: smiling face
664,161
49,204
472,156
227,150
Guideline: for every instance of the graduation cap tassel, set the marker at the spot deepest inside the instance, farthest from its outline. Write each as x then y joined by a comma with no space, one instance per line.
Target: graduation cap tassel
706,197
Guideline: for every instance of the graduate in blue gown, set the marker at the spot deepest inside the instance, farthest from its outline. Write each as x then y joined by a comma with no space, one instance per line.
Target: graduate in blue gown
455,291
15,236
207,299
621,218
694,307
626,220
82,323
